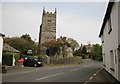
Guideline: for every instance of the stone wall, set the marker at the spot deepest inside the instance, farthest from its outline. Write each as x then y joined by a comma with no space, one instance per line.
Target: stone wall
68,60
48,26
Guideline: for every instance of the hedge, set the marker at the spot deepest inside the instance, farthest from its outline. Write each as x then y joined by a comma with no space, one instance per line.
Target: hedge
7,58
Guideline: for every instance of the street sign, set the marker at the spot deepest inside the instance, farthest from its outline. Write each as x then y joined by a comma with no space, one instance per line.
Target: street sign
29,51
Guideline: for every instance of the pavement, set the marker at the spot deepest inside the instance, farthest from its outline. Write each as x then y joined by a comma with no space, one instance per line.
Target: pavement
100,76
103,77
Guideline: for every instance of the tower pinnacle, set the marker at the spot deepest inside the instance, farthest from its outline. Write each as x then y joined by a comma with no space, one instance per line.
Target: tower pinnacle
43,9
55,11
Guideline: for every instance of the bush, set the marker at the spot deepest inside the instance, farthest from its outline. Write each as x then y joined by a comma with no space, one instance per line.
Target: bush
16,56
96,52
83,56
44,58
7,58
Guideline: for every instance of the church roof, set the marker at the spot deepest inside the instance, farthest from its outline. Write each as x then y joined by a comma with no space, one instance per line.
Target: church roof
107,15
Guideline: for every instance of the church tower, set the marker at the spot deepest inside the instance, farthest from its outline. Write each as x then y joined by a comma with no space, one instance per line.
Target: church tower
47,27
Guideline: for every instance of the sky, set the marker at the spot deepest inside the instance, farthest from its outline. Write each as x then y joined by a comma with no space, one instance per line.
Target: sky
78,20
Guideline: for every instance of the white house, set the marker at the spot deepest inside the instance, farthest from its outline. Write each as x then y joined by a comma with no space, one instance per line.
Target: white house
110,37
1,46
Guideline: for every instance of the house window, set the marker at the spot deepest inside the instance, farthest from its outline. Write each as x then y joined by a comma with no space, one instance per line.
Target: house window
109,25
112,60
102,38
115,56
118,52
104,62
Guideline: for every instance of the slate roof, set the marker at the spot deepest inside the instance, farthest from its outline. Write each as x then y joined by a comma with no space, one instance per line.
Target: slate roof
107,15
2,35
7,47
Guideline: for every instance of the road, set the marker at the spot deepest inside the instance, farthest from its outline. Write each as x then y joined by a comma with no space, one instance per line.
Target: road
78,73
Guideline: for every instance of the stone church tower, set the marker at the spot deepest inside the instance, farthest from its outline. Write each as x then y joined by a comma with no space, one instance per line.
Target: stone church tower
47,27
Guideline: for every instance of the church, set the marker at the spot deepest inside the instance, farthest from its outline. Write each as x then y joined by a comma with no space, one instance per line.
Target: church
47,29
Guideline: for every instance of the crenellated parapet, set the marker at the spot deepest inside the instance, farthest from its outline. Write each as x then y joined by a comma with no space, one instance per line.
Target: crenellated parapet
49,14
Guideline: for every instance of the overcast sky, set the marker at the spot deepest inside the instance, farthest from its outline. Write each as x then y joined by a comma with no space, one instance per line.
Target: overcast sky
79,20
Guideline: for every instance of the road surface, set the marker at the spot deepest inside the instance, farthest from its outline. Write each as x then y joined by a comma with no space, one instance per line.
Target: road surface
78,73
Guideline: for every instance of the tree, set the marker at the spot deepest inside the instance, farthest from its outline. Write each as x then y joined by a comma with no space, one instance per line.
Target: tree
51,47
77,52
54,46
84,50
28,38
22,43
73,43
96,52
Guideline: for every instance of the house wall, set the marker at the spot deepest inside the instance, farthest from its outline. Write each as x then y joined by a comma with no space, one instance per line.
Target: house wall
1,46
119,39
111,43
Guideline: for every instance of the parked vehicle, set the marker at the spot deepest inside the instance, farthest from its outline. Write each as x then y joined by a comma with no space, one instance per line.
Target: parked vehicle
33,62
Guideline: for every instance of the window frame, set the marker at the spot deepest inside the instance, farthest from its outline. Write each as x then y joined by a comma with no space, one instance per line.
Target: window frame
109,25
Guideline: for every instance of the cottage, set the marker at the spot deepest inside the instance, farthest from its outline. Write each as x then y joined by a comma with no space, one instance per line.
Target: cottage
11,54
110,37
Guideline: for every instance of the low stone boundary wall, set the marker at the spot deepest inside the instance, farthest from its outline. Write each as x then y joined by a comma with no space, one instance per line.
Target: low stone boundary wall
69,60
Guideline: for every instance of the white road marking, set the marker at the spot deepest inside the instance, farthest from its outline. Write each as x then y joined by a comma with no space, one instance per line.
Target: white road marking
95,74
85,82
49,76
74,69
25,72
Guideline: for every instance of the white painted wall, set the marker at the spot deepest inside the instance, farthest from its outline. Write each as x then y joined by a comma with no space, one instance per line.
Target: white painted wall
119,38
111,42
1,46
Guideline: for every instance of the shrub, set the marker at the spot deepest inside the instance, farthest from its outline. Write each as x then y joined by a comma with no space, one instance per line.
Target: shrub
7,58
44,58
83,56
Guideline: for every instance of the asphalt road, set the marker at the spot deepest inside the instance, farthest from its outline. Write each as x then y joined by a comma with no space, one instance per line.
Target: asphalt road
79,73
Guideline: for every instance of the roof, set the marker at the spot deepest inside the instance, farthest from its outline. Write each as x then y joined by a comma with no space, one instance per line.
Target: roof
7,47
2,35
107,15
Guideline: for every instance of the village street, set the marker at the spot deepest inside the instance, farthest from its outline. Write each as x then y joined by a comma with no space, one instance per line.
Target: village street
78,73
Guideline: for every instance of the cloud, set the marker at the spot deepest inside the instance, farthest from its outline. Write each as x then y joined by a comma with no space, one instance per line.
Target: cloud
21,18
18,20
0,17
77,27
56,0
